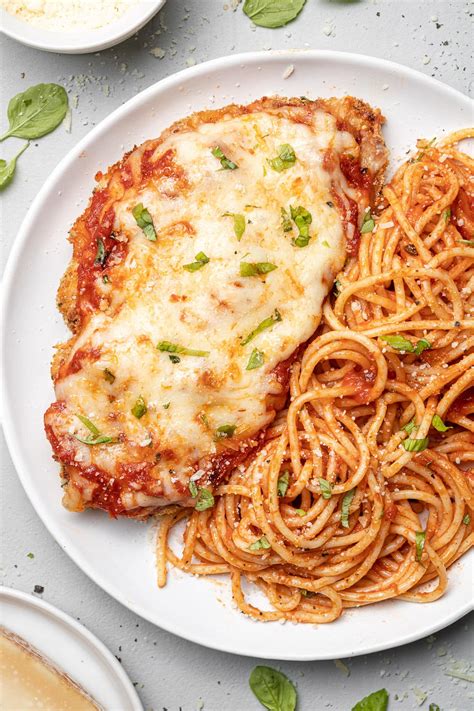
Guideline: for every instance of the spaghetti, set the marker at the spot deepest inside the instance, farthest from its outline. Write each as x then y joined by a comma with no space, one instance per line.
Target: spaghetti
363,489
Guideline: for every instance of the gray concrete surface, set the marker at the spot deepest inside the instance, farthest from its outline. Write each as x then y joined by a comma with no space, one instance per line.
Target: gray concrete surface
434,37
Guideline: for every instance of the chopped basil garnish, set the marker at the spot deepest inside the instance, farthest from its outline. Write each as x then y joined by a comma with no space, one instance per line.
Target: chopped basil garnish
420,537
326,488
416,445
285,159
166,405
101,254
174,359
469,242
410,426
325,243
368,224
225,431
345,508
256,360
434,707
105,279
266,323
168,347
300,512
400,343
273,689
96,437
145,221
378,701
439,425
283,483
201,260
109,376
286,221
466,520
226,164
249,269
259,544
447,214
337,288
302,219
140,408
205,500
239,223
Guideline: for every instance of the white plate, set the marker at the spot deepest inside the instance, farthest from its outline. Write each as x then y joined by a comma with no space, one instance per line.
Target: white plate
84,40
71,647
118,555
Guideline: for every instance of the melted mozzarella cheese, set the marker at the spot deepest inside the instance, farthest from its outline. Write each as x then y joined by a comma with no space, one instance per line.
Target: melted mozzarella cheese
212,309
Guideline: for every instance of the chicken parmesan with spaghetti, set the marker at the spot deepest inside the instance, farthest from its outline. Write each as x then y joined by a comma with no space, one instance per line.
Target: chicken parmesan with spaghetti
199,270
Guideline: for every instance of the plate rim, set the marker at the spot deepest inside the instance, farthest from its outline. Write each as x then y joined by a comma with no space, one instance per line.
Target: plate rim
8,288
73,625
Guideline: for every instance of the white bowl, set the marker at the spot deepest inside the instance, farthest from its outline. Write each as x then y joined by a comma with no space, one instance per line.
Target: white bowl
84,40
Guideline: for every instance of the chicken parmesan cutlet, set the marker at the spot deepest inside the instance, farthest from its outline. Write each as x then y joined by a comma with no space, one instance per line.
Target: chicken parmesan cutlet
199,267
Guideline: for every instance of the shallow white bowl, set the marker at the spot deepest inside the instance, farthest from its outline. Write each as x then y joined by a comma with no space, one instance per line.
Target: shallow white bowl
81,41
71,647
119,555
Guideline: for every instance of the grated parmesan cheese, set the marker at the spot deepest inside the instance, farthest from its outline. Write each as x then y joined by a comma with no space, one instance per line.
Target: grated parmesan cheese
63,15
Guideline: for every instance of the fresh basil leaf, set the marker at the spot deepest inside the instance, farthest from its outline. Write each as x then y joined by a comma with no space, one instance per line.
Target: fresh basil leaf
302,219
201,260
37,111
109,376
224,161
145,221
167,347
193,489
285,159
140,408
466,520
205,499
416,445
439,425
285,220
266,323
368,223
378,701
273,13
7,170
326,488
345,508
256,360
225,431
420,537
283,483
249,269
239,223
273,689
101,255
410,426
261,543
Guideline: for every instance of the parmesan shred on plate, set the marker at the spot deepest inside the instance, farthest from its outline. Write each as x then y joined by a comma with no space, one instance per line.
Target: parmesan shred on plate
64,15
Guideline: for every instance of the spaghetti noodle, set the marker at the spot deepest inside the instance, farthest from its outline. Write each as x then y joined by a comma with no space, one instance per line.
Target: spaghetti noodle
364,487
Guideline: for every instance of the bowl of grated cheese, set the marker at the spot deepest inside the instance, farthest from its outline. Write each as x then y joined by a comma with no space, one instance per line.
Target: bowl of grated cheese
75,26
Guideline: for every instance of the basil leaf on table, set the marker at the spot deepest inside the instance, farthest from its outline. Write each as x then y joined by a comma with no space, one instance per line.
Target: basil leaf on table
273,689
7,170
37,111
378,701
273,13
